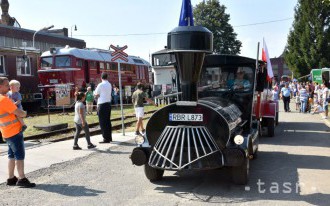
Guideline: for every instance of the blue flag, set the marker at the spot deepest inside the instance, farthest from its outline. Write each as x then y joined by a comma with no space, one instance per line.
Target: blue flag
186,16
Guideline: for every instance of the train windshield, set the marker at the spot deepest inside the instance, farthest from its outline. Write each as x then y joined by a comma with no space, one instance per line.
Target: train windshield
227,78
62,61
46,61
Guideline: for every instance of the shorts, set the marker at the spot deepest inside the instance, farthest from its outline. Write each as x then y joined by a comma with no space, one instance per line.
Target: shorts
16,147
139,112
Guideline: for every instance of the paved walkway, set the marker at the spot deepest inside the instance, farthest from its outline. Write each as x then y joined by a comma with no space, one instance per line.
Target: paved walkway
42,155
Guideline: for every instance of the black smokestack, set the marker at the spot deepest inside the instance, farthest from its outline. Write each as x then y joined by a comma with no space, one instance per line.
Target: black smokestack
189,44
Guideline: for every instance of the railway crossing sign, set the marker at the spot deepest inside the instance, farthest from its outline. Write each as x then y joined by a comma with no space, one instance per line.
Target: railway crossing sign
119,53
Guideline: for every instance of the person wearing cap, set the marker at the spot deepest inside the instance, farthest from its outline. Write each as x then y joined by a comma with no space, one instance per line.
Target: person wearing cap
286,95
240,83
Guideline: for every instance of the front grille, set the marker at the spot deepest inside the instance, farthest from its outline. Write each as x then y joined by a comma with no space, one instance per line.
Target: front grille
186,147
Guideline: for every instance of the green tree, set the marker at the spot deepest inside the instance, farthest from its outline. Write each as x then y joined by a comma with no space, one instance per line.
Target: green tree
212,16
308,44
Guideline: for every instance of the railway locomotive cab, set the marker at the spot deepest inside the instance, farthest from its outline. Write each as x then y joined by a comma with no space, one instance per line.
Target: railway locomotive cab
211,126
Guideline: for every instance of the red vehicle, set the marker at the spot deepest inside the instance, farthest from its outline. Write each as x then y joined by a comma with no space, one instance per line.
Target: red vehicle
266,109
60,70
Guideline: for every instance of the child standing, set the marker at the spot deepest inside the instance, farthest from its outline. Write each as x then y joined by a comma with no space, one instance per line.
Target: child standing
80,122
17,99
89,100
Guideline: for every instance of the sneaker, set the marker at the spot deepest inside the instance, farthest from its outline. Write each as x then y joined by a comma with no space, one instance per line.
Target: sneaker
137,133
325,117
24,128
91,146
25,183
12,181
76,147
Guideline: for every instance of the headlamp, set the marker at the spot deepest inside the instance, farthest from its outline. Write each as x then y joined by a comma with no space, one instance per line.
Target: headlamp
238,139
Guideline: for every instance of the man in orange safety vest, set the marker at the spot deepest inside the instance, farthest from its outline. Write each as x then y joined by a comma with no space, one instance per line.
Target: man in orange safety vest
11,131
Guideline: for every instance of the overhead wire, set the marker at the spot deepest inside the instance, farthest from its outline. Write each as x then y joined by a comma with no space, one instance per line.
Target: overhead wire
158,33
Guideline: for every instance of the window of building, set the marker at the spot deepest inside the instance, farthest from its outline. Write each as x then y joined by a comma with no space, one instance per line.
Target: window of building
23,66
2,65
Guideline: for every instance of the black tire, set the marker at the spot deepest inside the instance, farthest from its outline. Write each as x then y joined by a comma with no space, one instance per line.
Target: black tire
255,154
240,175
153,174
276,119
271,127
259,130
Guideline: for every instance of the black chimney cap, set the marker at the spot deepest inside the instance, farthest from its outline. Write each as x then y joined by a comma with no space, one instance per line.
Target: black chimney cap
190,38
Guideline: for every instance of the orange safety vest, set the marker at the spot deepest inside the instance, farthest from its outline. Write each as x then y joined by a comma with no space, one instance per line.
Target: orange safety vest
9,124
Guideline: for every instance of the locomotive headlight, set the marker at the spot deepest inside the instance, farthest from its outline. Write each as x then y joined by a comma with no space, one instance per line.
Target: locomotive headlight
139,139
238,139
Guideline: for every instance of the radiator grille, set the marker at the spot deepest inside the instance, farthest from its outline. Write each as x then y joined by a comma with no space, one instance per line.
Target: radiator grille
185,147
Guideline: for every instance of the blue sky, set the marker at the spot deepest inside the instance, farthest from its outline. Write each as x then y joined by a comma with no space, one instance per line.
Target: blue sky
142,25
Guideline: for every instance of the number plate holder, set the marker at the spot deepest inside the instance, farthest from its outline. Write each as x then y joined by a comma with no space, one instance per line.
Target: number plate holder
185,117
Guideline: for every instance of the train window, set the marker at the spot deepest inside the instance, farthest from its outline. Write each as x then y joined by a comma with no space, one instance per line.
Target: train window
114,66
108,66
138,61
123,67
46,61
79,63
62,61
2,65
101,65
92,64
23,66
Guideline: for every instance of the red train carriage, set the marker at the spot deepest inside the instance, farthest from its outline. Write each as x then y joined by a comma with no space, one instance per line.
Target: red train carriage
62,69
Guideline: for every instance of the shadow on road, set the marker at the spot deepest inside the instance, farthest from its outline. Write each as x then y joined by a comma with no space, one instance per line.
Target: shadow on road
68,190
273,177
300,134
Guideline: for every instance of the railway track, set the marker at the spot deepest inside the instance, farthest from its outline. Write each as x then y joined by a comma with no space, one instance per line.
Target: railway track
65,134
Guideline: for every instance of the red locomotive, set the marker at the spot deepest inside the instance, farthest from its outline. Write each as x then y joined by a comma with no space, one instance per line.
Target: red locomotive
60,70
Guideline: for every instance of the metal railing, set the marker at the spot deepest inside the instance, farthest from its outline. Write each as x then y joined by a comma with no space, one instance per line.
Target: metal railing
166,99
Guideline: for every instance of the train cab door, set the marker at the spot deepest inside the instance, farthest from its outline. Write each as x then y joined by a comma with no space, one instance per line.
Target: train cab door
86,68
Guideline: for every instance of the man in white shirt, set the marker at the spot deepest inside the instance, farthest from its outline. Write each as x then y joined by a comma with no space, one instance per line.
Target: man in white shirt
103,95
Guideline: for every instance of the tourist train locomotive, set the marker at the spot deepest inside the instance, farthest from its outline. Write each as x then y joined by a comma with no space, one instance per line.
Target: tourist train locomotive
212,126
62,69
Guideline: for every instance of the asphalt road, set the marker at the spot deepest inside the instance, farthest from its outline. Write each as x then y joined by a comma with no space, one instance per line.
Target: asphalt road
293,168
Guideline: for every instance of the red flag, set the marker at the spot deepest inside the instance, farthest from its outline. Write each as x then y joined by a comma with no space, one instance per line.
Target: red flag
265,58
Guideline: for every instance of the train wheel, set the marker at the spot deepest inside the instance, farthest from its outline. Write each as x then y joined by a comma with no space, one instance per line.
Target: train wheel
276,118
271,127
240,175
153,174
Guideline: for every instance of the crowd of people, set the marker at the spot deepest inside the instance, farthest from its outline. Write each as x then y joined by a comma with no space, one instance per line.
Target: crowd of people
12,125
309,97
